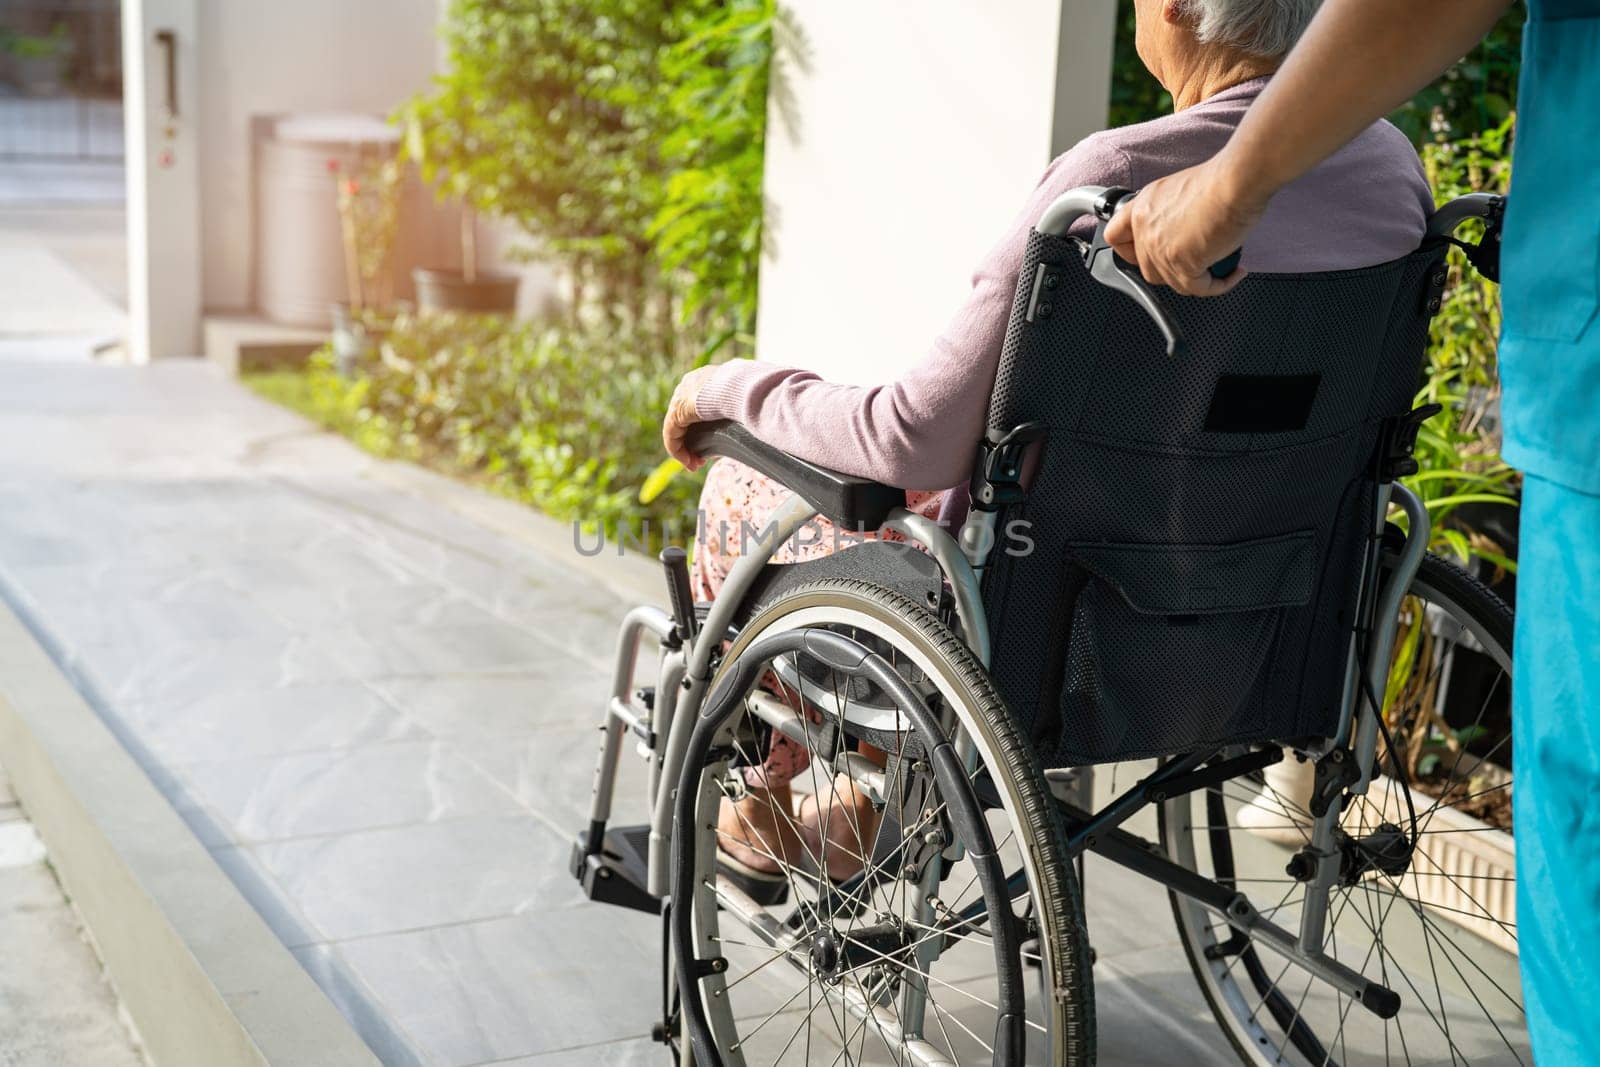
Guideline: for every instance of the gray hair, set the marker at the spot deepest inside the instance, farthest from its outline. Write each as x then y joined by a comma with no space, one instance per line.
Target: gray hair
1260,27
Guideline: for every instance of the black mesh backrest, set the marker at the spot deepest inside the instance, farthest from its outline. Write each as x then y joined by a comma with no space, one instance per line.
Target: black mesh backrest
1198,523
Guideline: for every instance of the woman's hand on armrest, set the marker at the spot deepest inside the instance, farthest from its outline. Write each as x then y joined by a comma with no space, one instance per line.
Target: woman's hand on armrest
681,415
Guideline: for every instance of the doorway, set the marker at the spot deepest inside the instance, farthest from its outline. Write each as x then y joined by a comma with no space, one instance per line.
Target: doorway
63,216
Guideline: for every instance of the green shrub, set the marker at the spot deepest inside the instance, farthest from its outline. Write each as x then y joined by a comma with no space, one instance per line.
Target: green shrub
30,46
709,228
627,136
1459,449
548,115
566,420
341,409
1474,96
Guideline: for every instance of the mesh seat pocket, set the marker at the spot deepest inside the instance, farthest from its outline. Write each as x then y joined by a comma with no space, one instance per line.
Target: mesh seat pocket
1205,579
1167,644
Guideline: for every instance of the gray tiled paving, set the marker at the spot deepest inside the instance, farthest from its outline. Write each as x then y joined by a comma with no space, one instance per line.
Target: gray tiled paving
380,714
470,999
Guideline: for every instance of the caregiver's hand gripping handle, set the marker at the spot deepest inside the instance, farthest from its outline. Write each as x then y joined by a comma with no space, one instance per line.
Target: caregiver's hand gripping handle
1103,263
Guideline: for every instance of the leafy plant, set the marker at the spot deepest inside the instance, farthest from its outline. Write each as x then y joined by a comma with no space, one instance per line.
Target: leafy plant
341,409
564,419
627,136
709,227
369,214
551,115
31,46
1459,449
1474,96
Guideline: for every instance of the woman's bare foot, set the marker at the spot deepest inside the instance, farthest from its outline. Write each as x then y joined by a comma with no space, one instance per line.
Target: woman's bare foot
758,830
840,825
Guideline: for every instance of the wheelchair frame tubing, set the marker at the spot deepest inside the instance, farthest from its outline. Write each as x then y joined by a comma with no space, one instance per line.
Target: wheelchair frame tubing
684,672
1372,678
786,521
684,675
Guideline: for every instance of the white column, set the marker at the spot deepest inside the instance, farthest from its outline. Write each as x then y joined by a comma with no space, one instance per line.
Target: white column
163,178
1084,45
903,138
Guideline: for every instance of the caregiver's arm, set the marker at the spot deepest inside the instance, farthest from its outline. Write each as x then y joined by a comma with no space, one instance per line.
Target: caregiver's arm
1358,60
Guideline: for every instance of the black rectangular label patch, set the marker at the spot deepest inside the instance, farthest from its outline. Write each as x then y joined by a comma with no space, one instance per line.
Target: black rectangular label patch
1262,403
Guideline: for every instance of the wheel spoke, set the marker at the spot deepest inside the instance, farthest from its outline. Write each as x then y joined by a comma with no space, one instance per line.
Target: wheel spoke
892,943
1423,920
1447,969
1404,974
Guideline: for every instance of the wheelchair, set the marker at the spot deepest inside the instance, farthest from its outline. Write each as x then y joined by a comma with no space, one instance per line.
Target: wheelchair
1178,564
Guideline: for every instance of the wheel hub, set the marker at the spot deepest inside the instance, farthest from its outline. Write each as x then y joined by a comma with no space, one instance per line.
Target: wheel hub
825,954
884,945
1387,849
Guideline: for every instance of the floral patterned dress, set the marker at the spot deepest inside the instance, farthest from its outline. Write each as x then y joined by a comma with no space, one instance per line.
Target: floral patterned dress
737,500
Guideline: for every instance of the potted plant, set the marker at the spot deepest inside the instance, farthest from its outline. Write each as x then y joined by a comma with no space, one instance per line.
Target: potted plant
445,159
39,64
368,200
468,289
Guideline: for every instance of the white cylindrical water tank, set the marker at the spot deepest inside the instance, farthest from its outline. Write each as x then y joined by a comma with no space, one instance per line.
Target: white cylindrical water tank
300,267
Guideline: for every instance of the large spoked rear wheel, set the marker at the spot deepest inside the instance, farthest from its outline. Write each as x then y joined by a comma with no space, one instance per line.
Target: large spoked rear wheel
932,916
1426,913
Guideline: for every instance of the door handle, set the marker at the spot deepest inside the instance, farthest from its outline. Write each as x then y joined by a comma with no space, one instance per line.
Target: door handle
168,40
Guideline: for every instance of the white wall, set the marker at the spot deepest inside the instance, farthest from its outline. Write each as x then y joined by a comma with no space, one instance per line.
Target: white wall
267,57
163,154
902,142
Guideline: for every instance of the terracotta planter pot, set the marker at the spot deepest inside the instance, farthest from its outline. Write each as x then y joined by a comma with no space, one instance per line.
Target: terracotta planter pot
448,290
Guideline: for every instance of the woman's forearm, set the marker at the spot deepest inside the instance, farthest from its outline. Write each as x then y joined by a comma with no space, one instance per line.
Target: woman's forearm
915,433
1358,61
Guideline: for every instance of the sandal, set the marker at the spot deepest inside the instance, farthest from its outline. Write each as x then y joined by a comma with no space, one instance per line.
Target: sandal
767,888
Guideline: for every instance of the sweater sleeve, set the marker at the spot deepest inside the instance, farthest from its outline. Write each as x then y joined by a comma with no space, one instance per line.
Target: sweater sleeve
921,431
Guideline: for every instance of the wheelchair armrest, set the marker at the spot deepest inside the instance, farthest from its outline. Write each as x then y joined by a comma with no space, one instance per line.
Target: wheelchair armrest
849,501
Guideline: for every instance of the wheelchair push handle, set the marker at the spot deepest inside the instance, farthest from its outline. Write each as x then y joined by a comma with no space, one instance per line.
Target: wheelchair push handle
1105,266
1488,208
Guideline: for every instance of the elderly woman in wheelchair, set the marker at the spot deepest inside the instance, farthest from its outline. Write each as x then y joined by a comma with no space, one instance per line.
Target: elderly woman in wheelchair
868,766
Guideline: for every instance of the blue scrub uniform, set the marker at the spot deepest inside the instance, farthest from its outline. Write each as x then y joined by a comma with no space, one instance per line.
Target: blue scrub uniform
1550,371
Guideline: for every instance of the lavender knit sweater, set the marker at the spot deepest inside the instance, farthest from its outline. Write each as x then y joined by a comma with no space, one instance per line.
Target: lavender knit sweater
1367,204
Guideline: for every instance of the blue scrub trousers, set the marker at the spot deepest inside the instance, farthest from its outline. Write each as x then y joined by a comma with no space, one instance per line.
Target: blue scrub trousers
1556,754
1550,372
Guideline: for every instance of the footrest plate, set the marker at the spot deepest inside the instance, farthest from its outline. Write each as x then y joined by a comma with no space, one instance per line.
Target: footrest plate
618,872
